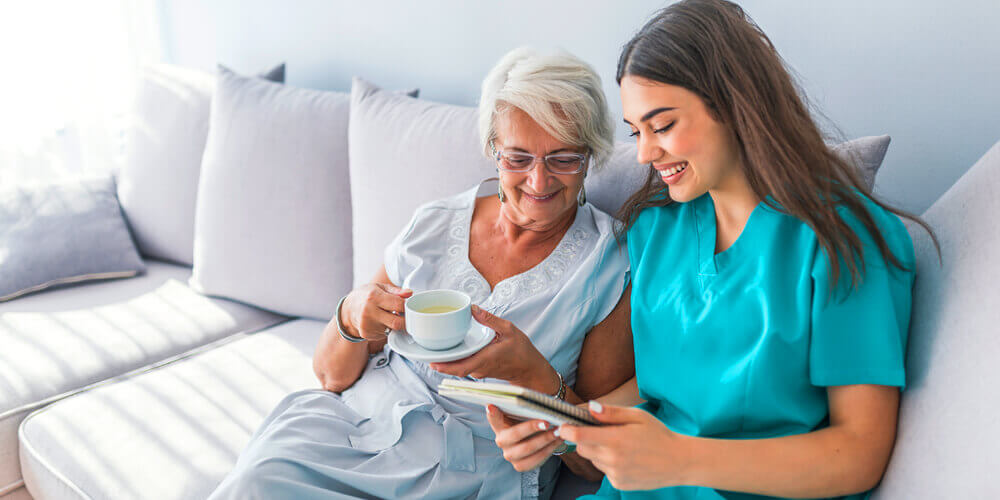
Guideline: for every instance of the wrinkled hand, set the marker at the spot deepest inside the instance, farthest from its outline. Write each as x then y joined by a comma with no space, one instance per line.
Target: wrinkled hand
526,444
510,356
370,309
636,451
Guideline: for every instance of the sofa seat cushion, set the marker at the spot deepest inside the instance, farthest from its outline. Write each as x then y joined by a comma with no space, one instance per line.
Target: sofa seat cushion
948,427
60,341
169,433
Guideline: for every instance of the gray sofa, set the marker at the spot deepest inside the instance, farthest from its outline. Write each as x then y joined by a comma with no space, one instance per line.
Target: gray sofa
149,387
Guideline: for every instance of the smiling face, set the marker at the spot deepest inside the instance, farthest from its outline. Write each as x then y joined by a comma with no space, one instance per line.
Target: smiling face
537,200
677,134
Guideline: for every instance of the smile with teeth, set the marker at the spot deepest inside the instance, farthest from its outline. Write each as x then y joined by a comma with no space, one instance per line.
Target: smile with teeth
674,170
541,198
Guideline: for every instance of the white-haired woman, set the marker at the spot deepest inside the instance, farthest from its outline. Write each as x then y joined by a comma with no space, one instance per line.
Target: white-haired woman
527,248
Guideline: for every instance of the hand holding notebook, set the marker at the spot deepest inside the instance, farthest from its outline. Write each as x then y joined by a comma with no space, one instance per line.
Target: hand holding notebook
517,402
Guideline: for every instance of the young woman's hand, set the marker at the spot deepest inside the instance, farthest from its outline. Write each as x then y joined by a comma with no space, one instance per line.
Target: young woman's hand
511,357
526,444
635,450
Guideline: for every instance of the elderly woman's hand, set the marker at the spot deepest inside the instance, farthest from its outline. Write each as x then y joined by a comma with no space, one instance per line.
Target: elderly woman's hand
525,445
368,310
511,357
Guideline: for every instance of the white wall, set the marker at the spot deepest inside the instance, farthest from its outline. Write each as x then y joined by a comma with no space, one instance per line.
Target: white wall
923,72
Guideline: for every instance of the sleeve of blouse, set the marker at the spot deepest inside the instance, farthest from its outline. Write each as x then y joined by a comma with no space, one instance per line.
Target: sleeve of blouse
398,258
859,335
611,277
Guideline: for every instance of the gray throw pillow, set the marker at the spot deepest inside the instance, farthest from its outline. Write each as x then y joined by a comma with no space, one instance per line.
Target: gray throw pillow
65,232
164,143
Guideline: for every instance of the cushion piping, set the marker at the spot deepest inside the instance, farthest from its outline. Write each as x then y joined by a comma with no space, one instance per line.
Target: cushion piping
45,465
67,280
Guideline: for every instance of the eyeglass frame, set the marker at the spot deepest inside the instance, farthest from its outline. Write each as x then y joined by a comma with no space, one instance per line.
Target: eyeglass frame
497,154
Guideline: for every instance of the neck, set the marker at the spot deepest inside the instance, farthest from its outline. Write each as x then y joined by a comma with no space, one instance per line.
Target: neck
530,234
734,201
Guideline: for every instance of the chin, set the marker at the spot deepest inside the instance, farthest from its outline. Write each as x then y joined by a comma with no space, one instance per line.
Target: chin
682,195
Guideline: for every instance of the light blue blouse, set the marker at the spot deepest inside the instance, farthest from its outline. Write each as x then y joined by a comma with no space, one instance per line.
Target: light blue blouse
391,435
742,344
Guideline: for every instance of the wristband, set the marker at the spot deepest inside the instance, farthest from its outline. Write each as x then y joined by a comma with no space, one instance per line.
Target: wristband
340,326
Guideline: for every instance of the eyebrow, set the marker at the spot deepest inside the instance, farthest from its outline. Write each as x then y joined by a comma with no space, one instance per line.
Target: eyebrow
651,114
561,150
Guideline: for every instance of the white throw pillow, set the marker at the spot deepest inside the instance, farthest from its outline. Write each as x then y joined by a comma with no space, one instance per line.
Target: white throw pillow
273,220
164,142
404,152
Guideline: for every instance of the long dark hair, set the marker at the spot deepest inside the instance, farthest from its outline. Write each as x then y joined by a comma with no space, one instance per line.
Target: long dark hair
713,49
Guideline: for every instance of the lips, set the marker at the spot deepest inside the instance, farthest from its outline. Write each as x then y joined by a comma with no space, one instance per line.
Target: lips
541,198
672,172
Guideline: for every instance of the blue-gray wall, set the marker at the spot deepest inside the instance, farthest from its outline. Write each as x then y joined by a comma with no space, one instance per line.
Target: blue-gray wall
927,73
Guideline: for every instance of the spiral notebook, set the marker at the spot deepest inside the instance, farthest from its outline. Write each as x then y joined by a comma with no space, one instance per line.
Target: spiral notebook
516,401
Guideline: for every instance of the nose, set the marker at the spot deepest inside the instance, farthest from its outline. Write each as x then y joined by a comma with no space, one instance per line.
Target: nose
538,176
647,151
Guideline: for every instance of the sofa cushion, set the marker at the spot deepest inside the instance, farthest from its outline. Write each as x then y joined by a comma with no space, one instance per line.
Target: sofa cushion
164,142
47,355
273,221
62,232
171,433
948,428
404,152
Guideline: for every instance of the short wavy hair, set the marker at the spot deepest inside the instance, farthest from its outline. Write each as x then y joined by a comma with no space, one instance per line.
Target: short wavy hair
558,90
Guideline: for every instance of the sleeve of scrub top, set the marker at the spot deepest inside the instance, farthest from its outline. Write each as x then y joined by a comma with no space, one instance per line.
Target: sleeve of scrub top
859,335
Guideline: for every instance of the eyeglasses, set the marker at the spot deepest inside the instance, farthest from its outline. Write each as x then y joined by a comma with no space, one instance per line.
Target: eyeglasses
557,163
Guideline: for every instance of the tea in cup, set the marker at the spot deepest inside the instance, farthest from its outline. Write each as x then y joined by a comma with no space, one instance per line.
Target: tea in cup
438,319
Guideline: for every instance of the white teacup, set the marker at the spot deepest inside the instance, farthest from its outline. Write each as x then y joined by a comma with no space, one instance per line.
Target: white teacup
438,319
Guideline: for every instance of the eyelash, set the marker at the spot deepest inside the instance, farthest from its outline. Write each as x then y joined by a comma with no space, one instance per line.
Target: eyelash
657,131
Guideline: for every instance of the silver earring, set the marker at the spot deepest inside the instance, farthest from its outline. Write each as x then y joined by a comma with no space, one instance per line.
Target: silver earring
503,197
582,197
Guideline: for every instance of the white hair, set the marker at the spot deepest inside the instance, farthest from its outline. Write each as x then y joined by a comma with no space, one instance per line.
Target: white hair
558,91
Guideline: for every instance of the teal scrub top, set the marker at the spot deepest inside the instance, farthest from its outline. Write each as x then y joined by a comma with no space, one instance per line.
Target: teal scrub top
742,344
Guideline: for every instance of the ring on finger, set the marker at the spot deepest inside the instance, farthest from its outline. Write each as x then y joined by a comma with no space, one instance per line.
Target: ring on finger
388,330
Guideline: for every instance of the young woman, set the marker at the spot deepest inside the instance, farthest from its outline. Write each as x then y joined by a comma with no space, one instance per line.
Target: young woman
770,292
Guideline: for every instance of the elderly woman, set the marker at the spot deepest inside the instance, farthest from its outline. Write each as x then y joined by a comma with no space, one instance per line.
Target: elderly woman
527,248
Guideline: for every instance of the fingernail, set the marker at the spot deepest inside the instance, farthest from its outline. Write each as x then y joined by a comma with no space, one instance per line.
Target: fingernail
556,433
543,426
475,309
596,407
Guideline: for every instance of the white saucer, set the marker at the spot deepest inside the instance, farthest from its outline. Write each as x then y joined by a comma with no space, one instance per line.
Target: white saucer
477,338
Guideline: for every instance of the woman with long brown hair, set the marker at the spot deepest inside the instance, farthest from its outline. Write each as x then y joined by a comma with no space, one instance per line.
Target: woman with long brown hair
771,291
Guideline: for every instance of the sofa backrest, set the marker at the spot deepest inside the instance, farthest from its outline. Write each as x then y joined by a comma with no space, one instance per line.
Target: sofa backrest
949,427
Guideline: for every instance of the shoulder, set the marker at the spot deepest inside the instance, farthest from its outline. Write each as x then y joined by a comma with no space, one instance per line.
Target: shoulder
668,217
888,225
430,218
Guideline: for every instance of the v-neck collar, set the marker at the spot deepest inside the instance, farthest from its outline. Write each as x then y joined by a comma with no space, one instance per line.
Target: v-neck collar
710,262
542,273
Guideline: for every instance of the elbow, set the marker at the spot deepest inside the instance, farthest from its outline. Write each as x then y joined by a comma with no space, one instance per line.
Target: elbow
335,384
871,468
330,380
870,476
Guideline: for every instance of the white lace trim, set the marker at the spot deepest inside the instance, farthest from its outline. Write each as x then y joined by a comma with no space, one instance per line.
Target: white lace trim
461,275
